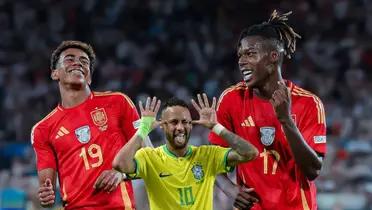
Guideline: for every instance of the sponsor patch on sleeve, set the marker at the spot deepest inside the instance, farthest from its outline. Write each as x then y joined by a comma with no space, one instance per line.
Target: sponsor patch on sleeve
320,139
136,124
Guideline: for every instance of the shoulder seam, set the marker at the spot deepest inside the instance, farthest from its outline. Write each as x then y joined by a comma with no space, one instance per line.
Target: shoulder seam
110,93
238,86
319,105
46,117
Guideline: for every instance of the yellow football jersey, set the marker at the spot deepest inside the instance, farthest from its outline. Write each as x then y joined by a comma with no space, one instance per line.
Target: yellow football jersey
181,182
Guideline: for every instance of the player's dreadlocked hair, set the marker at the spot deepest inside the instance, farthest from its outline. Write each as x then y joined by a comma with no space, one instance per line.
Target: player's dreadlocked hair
275,28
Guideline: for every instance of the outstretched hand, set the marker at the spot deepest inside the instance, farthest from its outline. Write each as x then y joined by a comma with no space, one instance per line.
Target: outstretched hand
207,114
151,109
281,102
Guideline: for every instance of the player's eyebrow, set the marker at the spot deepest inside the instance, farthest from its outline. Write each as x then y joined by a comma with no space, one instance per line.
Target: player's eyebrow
80,57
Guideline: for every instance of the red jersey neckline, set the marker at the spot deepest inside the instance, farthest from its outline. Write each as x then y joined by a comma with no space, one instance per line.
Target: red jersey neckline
61,108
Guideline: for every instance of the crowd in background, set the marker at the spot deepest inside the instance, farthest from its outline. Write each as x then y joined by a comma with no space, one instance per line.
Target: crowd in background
183,47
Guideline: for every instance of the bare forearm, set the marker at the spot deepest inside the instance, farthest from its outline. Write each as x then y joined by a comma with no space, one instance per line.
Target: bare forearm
240,145
305,157
124,160
227,186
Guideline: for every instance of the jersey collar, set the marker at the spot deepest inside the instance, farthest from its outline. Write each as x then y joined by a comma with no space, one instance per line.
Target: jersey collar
169,153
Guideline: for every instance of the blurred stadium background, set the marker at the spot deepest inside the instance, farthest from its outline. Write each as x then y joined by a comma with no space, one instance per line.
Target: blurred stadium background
183,47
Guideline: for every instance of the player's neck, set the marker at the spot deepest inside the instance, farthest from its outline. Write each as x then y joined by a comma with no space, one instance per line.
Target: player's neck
71,98
178,152
266,91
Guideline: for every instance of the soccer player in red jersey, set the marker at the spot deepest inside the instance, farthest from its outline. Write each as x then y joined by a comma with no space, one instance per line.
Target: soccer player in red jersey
285,122
79,139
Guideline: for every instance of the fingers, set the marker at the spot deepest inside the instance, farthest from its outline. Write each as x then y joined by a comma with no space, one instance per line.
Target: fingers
153,103
246,194
48,183
151,108
280,95
196,122
46,193
147,106
206,102
141,106
245,199
196,106
201,104
108,181
157,107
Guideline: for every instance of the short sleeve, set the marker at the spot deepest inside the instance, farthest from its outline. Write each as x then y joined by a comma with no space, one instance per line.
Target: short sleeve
130,117
313,126
141,165
224,118
43,149
220,159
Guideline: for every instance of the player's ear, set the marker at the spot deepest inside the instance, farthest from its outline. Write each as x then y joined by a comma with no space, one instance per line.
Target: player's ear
54,74
161,124
274,56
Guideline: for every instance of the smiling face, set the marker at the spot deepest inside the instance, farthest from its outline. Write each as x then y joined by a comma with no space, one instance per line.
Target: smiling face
177,126
73,68
256,61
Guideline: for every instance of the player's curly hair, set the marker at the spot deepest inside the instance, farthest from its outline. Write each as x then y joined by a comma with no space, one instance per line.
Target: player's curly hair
73,44
275,28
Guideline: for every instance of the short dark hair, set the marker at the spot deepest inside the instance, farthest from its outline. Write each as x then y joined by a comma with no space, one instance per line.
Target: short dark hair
174,101
73,44
275,28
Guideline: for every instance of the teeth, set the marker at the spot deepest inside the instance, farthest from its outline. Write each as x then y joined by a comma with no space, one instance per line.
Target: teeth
247,74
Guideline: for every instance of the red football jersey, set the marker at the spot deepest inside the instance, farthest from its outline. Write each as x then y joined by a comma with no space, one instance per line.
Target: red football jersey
81,142
274,175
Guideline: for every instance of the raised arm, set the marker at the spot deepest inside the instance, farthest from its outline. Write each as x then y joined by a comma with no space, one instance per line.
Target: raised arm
306,158
124,160
242,150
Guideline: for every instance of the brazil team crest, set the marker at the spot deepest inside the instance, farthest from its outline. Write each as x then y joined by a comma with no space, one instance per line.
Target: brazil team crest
83,134
267,135
99,118
197,171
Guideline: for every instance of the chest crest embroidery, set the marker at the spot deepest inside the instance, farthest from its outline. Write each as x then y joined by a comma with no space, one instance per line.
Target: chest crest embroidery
198,172
99,118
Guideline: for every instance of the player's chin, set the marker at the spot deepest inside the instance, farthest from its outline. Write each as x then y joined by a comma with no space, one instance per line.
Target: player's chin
180,145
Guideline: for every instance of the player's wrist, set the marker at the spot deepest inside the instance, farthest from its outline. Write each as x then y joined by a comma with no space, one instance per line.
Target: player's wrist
145,127
218,128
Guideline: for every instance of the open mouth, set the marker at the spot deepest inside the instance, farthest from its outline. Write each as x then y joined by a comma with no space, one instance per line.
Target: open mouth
180,138
76,71
247,74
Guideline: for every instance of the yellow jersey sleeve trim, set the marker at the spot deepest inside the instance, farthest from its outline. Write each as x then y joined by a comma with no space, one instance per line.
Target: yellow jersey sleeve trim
135,174
227,167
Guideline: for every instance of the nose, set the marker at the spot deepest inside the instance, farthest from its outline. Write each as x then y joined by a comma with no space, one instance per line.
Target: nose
180,126
77,62
242,61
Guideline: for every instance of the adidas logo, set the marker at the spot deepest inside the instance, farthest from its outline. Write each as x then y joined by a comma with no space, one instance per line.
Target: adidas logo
61,132
248,122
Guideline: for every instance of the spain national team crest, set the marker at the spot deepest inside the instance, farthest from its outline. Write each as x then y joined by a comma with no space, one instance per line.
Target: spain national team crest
267,135
99,118
83,134
197,171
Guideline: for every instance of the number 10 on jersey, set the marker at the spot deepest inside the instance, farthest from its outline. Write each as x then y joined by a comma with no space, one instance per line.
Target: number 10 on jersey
186,196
